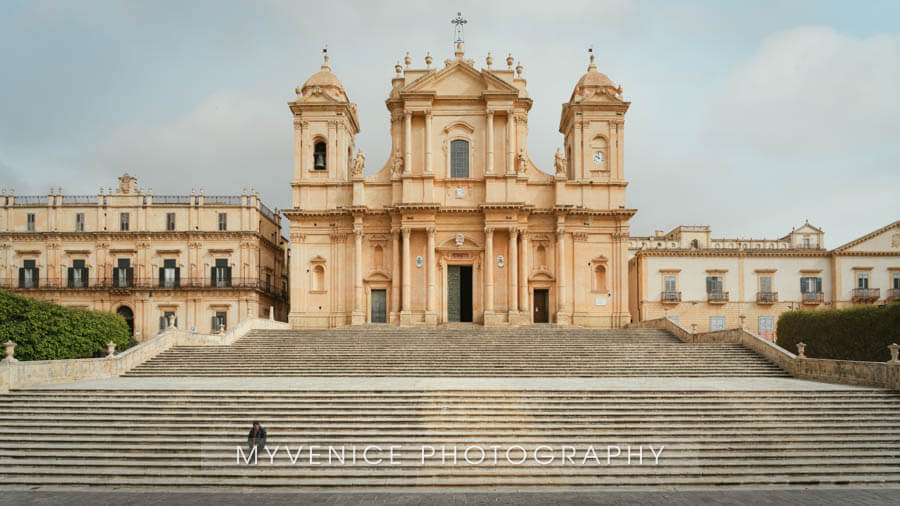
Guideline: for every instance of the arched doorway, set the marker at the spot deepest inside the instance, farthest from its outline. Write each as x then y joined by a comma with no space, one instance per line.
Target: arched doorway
128,314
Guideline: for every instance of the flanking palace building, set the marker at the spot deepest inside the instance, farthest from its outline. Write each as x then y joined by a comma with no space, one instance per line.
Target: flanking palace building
458,225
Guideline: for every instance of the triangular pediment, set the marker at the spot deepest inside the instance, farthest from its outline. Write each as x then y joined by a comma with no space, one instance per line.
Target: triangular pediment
883,240
460,79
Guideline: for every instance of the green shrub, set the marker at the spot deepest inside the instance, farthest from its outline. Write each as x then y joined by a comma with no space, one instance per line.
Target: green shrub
859,333
46,331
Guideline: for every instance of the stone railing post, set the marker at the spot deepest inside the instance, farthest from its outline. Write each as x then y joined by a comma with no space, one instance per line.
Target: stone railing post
271,312
110,349
171,321
895,348
801,349
694,333
10,348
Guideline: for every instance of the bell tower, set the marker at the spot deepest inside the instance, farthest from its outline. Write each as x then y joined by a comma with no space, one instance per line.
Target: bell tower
325,126
593,124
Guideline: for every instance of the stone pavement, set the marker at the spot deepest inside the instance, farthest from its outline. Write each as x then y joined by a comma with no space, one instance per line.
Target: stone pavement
817,497
263,384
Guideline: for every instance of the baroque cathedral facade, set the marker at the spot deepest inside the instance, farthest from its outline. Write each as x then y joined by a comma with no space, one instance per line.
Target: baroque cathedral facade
459,225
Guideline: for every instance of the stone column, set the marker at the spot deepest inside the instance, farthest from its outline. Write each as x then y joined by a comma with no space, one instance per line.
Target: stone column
298,279
523,277
407,296
428,142
407,144
578,151
359,313
431,311
562,315
488,270
513,293
490,142
510,143
395,271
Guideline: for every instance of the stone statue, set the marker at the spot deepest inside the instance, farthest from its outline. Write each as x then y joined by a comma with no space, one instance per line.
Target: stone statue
358,164
523,162
397,164
559,161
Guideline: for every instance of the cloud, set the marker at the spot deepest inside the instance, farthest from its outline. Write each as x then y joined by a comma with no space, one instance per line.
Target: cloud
812,92
225,143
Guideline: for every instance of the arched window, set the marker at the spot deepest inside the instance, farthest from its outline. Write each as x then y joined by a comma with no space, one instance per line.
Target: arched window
599,278
459,158
541,256
319,154
319,278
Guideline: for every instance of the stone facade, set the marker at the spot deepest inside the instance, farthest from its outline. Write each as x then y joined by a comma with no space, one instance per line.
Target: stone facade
208,260
459,224
755,280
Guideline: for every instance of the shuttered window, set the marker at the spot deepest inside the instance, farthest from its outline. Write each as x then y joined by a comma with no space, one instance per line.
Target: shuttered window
713,284
459,158
79,222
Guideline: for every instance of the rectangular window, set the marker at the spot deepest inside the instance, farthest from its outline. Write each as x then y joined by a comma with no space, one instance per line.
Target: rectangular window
765,284
170,221
670,284
716,323
78,275
714,284
79,222
169,274
223,222
123,274
896,281
810,284
767,327
123,222
30,222
28,274
862,280
221,274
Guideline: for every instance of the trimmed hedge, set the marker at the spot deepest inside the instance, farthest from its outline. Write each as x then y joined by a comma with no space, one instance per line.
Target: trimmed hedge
46,331
859,333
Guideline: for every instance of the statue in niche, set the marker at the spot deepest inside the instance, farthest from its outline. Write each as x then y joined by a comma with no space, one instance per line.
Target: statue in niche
523,162
397,163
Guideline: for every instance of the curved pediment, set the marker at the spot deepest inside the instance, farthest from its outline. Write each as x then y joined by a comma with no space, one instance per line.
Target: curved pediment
459,125
541,275
377,275
460,242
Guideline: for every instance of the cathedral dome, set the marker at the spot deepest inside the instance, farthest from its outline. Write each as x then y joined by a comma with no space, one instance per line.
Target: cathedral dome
324,81
593,83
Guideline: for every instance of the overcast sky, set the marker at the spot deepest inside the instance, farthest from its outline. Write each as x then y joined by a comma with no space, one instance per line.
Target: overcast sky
749,117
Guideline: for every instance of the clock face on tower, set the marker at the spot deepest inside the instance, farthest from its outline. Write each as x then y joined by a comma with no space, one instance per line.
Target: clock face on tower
598,157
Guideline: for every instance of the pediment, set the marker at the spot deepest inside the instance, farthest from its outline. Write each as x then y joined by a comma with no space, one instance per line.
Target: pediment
318,259
378,275
541,275
454,243
883,240
460,79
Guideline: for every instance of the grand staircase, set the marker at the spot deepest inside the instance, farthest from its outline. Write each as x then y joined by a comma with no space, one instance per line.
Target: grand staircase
465,352
720,415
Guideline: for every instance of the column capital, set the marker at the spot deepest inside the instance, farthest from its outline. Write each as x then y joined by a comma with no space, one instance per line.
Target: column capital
358,230
430,230
407,113
490,113
513,233
489,231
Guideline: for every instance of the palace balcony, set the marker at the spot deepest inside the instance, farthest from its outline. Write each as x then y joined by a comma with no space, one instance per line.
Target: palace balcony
893,294
865,295
123,286
670,297
813,298
766,297
717,297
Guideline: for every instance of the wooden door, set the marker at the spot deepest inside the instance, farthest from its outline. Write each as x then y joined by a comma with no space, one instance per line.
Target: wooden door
541,314
379,306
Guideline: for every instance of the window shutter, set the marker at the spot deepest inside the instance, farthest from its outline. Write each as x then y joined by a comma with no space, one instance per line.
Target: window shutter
212,276
115,277
818,285
162,276
129,273
178,276
214,325
84,276
803,285
71,274
228,276
37,277
709,284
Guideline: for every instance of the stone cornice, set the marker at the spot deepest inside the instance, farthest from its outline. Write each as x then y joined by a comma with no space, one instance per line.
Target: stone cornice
183,236
731,253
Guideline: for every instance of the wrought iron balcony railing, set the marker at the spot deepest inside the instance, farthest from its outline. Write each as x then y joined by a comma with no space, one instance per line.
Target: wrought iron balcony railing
766,297
866,294
813,297
670,297
717,297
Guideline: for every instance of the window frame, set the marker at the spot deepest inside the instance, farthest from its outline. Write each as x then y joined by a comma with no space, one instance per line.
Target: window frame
124,222
454,155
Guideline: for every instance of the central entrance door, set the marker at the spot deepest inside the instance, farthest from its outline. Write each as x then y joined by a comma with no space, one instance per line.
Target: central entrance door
541,315
459,293
379,306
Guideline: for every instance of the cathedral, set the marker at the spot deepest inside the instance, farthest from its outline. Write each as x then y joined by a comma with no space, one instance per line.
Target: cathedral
459,224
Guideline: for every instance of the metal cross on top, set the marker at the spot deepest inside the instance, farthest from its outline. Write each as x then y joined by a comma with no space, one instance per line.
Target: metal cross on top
459,21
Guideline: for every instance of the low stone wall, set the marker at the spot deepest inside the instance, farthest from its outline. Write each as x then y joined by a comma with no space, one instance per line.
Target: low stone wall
873,374
43,372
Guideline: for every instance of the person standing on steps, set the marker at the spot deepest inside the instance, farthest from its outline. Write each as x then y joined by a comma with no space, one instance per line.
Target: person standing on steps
256,438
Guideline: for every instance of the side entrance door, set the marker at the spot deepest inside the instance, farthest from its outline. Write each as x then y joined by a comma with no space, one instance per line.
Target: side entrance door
541,315
379,306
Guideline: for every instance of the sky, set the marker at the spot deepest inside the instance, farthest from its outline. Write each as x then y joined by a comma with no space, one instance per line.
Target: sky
750,117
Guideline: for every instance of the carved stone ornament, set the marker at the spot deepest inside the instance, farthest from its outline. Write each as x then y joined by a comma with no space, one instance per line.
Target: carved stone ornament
559,162
359,164
397,163
460,239
501,261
